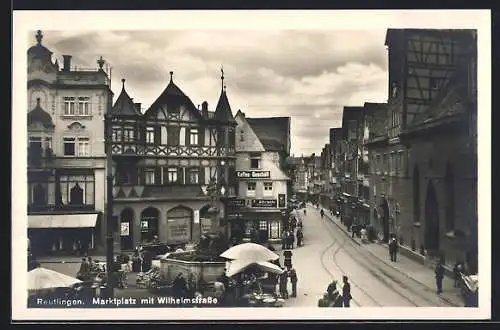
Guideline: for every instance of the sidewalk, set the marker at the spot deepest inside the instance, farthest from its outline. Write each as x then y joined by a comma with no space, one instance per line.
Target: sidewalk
405,265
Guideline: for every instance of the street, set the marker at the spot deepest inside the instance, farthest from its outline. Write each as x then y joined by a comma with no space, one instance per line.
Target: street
329,254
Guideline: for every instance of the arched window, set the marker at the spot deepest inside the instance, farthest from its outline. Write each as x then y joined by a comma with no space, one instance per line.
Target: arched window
76,195
179,223
450,198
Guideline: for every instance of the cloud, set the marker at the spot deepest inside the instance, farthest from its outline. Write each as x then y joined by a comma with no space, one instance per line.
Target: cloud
307,75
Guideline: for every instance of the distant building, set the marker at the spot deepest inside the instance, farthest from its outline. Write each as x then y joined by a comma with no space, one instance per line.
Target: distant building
66,157
262,148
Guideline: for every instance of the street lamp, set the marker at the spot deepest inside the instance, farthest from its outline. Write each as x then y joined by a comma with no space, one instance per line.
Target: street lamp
109,206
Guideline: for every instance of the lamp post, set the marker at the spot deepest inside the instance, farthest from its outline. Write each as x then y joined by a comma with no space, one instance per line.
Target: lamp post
109,207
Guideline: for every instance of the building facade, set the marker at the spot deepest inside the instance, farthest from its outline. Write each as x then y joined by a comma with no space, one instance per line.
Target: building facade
260,213
66,156
427,153
166,161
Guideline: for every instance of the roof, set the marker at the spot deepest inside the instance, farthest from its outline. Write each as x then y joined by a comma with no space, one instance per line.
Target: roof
124,106
273,132
172,93
39,50
223,111
38,115
392,34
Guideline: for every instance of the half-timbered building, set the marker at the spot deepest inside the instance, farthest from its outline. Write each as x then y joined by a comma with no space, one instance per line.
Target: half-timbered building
66,159
425,68
165,161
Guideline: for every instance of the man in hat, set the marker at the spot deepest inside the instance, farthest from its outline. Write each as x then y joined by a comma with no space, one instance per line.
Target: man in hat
393,248
179,286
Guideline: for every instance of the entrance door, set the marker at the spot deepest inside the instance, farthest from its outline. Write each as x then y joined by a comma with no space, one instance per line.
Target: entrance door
126,229
431,220
263,233
149,224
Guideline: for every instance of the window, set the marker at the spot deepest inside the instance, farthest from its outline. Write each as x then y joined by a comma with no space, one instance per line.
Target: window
251,187
35,142
122,176
385,161
263,225
83,106
83,147
128,134
242,136
69,106
268,188
116,134
172,175
149,176
69,147
378,164
255,161
77,189
434,83
193,136
274,229
150,135
194,176
173,138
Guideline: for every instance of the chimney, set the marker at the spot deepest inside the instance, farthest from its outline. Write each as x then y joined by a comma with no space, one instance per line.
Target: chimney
138,106
204,109
67,62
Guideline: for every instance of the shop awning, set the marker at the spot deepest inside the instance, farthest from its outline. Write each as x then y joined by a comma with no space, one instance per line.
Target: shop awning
62,220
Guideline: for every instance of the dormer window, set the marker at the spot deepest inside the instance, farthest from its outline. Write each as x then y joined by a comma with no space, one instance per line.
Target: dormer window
255,161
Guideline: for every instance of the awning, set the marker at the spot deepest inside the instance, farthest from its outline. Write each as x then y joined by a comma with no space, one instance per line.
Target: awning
62,220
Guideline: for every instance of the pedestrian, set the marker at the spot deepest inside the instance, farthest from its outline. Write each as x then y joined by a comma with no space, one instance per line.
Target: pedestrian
393,249
346,292
84,270
287,254
439,271
179,286
322,212
457,272
283,281
292,239
300,236
284,237
305,211
293,279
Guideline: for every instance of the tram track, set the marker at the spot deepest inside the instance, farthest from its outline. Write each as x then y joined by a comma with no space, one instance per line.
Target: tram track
389,280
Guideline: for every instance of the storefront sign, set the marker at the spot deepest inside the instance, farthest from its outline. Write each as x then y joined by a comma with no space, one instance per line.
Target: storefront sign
178,229
236,203
264,203
282,200
125,229
206,225
253,174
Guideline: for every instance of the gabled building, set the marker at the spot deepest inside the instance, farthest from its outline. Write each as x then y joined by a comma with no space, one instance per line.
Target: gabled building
165,161
262,147
66,158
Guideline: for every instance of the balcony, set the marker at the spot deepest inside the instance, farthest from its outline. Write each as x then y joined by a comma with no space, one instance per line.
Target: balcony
136,149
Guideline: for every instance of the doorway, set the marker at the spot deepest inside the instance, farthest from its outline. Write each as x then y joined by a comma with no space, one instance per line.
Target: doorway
149,224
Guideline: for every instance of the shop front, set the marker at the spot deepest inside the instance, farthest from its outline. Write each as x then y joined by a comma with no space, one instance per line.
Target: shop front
362,212
263,226
62,234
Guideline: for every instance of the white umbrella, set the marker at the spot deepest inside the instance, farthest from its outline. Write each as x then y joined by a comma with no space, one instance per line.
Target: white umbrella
43,278
237,266
250,251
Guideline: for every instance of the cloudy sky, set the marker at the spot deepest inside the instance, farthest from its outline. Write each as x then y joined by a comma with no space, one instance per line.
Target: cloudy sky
308,75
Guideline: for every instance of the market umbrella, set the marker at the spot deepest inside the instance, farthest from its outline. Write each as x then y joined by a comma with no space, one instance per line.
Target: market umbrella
43,278
237,266
250,251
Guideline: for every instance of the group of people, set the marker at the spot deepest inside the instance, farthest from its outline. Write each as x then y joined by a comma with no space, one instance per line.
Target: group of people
294,230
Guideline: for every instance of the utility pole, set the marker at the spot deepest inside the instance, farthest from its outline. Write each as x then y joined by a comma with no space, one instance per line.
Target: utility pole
109,208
